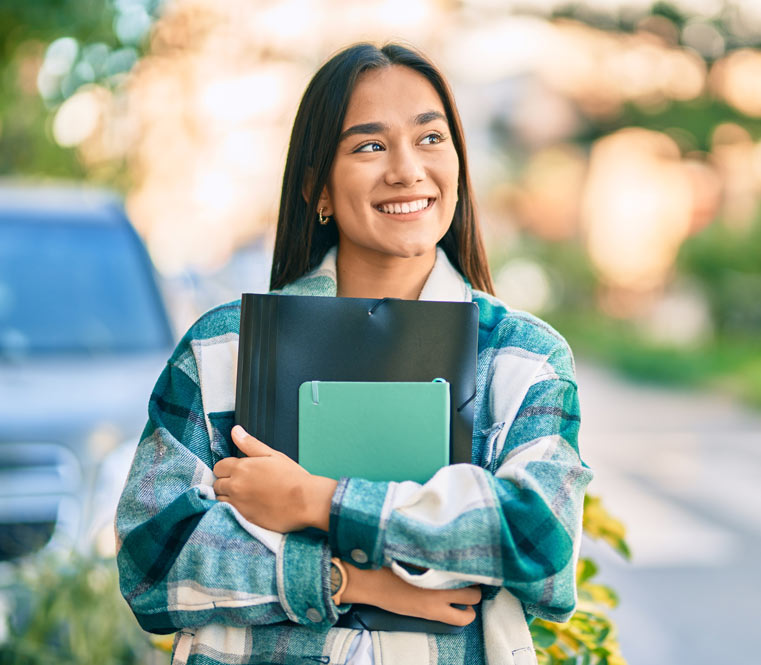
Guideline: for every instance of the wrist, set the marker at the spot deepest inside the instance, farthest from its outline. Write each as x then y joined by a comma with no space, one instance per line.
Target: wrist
319,496
339,580
357,583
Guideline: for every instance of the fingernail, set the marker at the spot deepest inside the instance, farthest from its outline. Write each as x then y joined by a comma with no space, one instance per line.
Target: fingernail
238,431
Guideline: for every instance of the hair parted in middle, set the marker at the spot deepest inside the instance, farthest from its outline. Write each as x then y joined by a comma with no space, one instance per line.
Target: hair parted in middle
300,243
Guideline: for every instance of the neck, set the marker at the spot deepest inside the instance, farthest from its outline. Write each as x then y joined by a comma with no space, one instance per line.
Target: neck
366,274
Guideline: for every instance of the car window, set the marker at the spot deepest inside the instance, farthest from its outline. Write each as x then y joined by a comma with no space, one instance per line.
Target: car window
74,287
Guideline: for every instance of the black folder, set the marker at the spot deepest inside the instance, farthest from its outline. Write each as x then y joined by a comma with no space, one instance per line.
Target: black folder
286,340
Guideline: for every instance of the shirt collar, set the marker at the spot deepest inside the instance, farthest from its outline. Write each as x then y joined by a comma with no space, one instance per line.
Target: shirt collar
444,282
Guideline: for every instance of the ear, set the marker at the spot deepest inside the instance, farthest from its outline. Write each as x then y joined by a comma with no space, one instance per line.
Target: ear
324,200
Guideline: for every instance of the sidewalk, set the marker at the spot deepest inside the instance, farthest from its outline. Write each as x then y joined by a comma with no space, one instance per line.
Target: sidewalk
683,471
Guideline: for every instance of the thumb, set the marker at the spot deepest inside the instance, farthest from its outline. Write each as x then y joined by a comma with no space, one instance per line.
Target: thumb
249,445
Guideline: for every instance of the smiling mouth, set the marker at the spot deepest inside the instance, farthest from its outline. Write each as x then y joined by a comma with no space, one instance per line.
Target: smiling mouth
408,207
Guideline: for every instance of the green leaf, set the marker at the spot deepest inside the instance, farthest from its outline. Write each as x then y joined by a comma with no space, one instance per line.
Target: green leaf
599,594
620,545
586,570
542,636
600,524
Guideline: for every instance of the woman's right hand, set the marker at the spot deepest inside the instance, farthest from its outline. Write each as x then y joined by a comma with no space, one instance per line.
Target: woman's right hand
382,588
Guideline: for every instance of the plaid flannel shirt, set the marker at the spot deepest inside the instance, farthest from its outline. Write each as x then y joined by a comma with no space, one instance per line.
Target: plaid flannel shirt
510,520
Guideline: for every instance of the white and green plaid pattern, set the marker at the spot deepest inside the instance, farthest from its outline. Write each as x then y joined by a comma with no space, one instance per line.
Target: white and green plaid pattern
510,519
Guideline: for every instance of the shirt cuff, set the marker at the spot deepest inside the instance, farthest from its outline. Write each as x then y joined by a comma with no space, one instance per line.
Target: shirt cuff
303,580
356,524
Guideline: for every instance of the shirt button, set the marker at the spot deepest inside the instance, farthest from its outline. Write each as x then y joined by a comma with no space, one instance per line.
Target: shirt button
314,615
359,556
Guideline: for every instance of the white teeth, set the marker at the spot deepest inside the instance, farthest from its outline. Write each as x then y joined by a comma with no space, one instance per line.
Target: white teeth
400,208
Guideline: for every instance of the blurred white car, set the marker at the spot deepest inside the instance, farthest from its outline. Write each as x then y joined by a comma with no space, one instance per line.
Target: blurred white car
84,334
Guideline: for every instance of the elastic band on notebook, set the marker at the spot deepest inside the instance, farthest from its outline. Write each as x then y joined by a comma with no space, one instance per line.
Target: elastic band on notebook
315,392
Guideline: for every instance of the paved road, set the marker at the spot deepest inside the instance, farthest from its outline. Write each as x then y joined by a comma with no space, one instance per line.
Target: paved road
683,471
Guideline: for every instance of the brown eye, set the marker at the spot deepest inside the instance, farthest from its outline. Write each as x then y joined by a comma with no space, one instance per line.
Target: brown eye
373,146
432,139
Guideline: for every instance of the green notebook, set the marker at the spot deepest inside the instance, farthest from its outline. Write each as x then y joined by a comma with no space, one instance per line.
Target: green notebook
374,430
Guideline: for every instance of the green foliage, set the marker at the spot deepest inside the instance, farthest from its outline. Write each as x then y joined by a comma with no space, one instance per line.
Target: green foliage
722,261
690,123
726,262
27,28
601,525
68,611
589,637
667,10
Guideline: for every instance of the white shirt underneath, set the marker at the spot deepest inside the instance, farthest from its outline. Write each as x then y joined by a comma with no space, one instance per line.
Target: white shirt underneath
442,284
361,650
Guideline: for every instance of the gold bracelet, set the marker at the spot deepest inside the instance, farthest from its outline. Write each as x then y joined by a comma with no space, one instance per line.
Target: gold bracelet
335,561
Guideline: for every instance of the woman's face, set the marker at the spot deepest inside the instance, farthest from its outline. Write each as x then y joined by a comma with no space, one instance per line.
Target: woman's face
392,189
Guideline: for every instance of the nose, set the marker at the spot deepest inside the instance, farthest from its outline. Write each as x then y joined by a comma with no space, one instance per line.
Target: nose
404,167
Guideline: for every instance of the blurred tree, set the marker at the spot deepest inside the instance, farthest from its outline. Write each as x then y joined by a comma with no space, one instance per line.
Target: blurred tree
26,28
102,39
727,263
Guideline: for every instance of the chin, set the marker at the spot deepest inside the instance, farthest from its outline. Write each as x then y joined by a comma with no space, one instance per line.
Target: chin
412,247
412,250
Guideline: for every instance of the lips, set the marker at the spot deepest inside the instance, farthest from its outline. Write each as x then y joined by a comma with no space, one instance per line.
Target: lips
404,207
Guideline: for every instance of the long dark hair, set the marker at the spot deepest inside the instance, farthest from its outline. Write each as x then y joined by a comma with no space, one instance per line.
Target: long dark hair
301,243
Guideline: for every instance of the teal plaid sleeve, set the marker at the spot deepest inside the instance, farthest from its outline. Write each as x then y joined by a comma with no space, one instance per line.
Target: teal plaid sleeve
514,518
185,559
539,481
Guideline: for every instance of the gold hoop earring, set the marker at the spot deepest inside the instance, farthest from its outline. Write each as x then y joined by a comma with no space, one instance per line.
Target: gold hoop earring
323,220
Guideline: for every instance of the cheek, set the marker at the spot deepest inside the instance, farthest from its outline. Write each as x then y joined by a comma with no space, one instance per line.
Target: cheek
349,188
454,169
448,173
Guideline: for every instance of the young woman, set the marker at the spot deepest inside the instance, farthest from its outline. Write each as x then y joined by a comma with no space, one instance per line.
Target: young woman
376,202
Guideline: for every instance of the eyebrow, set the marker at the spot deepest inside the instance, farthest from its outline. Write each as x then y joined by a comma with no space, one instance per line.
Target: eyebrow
379,127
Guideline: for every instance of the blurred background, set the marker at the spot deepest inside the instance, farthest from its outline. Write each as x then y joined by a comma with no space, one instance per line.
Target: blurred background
615,147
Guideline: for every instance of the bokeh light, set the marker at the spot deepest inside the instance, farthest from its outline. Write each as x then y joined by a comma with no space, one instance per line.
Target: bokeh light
636,209
525,285
736,78
199,121
78,117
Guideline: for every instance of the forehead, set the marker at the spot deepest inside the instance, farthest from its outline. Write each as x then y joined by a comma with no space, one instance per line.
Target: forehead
391,94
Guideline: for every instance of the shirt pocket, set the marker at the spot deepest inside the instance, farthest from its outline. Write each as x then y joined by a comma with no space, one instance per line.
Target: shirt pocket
222,444
524,656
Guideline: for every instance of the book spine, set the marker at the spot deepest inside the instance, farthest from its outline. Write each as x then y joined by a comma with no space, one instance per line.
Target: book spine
243,379
257,395
269,378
